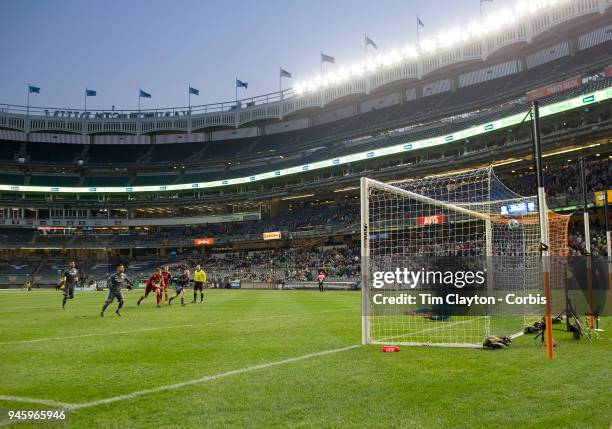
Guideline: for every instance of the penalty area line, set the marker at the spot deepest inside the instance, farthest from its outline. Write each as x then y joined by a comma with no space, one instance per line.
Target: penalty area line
158,328
49,402
207,378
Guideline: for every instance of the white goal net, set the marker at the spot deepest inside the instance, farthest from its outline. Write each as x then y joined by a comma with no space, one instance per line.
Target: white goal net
463,222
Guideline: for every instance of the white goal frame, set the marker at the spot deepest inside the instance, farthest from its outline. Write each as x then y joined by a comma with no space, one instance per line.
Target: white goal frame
365,185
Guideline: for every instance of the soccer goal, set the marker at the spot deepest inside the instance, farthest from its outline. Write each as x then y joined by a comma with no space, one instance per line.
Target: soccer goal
469,219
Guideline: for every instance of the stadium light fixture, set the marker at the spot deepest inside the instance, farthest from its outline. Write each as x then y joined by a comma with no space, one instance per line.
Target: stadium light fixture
475,30
296,197
410,52
507,161
357,70
350,188
574,149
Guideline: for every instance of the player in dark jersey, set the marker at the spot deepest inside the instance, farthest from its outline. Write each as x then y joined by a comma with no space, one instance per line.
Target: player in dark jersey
180,283
71,281
115,283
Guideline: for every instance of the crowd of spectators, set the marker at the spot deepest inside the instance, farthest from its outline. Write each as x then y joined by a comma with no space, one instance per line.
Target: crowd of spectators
279,265
577,245
564,179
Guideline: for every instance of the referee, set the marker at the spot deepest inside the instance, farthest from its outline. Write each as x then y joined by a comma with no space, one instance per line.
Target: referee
199,278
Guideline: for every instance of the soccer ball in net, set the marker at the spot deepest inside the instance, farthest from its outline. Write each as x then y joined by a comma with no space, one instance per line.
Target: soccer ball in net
513,224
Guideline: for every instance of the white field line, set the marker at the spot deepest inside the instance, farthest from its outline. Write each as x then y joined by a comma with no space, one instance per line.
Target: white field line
159,328
206,378
435,328
49,402
15,308
193,381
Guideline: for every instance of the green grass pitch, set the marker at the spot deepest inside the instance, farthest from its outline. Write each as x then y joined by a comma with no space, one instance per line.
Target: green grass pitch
234,356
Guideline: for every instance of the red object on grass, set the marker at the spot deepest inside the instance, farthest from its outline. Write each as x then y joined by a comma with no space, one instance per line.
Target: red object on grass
390,349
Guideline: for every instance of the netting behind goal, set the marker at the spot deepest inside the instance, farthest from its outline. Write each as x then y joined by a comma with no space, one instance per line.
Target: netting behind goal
468,218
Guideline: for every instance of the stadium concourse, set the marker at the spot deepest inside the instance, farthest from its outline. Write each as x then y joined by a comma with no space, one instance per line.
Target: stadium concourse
293,260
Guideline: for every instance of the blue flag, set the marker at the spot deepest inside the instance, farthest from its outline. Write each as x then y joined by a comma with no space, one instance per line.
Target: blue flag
144,94
194,91
285,73
327,58
419,22
241,84
370,42
33,89
90,93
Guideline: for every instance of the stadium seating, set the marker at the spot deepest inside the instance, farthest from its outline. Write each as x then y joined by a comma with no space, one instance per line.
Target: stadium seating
12,179
9,149
154,180
113,154
53,152
48,180
105,181
162,153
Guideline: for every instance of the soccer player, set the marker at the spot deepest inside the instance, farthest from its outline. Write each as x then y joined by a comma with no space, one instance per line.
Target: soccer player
321,278
71,280
115,283
166,277
199,278
153,285
180,283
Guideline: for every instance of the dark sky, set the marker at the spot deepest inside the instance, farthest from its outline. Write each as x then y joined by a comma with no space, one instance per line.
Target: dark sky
118,46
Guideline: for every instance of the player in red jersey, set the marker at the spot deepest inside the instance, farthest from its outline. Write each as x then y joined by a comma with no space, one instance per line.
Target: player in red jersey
165,282
321,278
154,284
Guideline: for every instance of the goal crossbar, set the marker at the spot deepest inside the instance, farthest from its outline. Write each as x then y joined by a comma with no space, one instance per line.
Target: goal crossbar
422,198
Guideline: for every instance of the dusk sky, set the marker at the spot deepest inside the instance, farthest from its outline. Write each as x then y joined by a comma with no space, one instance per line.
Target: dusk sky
117,47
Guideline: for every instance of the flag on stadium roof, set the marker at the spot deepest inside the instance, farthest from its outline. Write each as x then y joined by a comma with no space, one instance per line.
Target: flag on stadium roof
90,93
241,84
370,42
194,91
419,22
285,73
327,58
481,2
33,89
142,94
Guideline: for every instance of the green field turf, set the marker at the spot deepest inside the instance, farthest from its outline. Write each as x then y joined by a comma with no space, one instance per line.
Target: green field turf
76,357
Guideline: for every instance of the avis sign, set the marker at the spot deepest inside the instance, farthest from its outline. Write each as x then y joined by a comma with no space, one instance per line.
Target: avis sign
431,220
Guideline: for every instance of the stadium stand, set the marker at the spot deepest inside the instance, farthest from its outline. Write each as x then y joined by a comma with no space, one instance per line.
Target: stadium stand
480,91
9,150
53,152
313,233
63,180
12,179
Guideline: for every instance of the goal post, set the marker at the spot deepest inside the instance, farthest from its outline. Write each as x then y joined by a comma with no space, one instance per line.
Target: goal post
457,221
365,267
